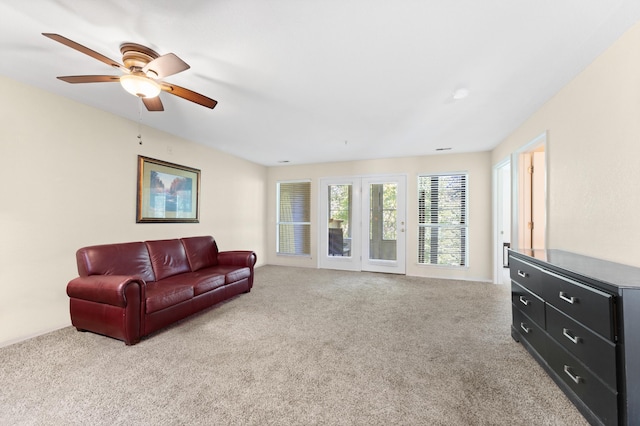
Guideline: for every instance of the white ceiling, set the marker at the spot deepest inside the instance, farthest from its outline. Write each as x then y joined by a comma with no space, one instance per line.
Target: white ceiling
320,81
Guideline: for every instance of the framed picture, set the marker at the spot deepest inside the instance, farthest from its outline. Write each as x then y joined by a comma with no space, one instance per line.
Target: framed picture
167,192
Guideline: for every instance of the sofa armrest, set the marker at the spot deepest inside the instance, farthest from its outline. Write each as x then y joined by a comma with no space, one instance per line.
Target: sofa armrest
108,289
237,258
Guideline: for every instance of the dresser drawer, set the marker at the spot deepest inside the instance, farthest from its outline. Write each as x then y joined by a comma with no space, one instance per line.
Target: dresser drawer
528,303
600,399
529,331
526,274
585,304
594,351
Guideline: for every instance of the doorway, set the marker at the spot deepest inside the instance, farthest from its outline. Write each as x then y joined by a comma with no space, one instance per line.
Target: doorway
530,195
520,203
363,223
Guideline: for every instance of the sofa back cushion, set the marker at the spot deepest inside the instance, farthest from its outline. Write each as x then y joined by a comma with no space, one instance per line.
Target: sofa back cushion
115,259
202,252
168,258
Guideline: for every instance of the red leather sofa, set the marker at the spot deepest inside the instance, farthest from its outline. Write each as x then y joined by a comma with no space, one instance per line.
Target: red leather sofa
129,290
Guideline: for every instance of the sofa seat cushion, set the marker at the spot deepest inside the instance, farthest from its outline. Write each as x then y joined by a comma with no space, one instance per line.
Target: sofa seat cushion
202,281
206,281
231,273
160,295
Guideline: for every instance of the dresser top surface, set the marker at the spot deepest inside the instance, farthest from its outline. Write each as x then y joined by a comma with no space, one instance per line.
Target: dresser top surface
614,274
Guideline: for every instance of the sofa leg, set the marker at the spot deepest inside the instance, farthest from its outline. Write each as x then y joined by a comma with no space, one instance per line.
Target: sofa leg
81,330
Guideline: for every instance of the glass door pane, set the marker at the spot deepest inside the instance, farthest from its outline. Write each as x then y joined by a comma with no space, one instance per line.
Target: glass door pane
340,218
383,221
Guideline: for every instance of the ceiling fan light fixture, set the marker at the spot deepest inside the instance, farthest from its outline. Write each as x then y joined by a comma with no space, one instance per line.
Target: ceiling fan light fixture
139,85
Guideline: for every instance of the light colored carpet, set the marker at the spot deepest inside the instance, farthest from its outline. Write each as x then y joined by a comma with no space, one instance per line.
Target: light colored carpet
305,347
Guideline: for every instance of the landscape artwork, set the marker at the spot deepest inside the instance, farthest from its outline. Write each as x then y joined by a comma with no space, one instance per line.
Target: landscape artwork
167,192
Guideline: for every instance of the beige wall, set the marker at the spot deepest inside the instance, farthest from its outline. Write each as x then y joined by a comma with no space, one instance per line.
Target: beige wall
477,165
593,156
68,178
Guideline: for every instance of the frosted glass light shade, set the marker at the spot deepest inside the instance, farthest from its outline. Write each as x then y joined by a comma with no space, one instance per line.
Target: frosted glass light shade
140,86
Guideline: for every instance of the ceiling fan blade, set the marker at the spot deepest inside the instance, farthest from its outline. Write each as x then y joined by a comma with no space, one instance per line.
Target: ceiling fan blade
80,48
164,66
153,104
90,78
188,95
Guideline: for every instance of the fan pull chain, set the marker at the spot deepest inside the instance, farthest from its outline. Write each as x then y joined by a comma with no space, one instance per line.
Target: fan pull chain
140,122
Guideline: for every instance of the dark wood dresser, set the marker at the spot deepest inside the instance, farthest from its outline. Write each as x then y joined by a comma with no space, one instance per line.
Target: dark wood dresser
579,317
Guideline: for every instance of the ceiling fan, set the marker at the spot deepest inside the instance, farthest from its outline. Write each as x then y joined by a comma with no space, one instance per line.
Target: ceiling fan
144,71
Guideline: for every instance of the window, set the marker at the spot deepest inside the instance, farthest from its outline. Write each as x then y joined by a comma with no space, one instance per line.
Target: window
294,218
442,219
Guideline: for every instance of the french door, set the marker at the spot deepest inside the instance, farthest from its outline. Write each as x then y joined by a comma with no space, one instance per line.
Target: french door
363,223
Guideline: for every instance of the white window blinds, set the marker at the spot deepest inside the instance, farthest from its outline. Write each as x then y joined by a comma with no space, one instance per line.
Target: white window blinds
442,219
294,218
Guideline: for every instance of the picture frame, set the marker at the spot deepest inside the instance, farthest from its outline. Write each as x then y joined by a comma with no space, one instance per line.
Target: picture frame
167,192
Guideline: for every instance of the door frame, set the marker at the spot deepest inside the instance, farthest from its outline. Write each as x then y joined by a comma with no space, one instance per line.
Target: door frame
500,201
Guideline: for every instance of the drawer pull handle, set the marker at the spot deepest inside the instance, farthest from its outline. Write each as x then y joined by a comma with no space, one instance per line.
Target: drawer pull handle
525,328
567,333
568,299
524,301
523,274
575,378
